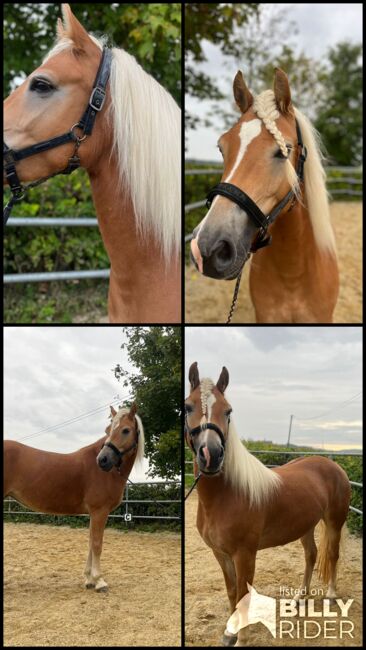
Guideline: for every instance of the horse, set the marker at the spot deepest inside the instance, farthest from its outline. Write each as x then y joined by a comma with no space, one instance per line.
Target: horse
132,157
88,481
272,192
244,507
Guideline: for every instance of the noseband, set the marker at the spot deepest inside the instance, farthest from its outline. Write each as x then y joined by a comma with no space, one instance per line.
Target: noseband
235,194
119,453
202,427
85,125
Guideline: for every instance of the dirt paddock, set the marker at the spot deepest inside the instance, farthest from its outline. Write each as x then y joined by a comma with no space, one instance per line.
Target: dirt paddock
206,603
46,603
208,301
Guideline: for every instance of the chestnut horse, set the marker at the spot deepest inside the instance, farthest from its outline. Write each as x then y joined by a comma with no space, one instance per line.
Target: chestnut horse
272,168
243,506
73,484
132,156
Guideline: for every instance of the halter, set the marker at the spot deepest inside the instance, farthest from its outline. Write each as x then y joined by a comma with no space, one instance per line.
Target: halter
202,427
119,453
85,124
235,194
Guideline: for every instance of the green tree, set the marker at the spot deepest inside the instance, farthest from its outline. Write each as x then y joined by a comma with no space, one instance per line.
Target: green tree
151,32
156,388
340,113
215,23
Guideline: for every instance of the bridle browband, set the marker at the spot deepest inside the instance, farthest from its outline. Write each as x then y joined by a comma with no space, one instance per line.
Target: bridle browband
122,453
85,124
235,194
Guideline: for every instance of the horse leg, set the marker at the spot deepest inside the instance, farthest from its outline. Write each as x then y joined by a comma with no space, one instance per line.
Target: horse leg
97,523
88,580
244,563
310,551
228,569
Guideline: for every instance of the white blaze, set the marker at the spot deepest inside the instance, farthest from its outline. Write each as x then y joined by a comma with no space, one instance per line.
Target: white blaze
248,131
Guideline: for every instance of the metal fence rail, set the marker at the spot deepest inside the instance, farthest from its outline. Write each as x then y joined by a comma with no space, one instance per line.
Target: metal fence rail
13,278
127,516
216,168
37,222
302,453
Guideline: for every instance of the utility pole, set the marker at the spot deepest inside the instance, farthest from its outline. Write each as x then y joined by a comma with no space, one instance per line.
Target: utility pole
289,430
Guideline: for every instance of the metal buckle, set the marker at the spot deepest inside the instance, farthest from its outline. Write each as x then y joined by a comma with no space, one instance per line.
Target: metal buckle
97,98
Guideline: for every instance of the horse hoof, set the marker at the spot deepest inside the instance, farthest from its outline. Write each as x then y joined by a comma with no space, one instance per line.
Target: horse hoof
103,589
89,585
229,640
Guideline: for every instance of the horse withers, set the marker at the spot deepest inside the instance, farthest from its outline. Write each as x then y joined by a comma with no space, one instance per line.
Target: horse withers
88,481
244,507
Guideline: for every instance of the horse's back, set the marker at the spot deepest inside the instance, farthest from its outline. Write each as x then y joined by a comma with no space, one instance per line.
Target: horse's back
323,474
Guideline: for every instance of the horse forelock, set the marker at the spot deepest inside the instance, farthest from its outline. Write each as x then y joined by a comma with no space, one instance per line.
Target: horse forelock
206,388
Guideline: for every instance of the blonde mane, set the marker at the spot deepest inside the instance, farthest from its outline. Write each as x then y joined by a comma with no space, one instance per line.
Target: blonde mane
316,196
245,473
146,122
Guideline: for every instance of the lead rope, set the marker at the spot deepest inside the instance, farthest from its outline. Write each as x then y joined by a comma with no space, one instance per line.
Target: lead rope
193,486
235,298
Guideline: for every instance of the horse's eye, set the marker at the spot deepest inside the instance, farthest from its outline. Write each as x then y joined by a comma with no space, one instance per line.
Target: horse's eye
280,155
188,408
228,412
41,86
125,431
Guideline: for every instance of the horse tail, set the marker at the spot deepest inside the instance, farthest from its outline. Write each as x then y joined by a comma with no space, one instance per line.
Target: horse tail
325,551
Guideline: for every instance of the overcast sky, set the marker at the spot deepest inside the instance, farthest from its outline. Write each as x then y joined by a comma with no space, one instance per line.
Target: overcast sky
53,374
319,26
278,371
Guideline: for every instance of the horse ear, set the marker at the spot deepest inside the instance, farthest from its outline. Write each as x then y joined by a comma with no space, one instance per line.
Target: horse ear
282,91
223,380
193,376
133,410
242,95
113,412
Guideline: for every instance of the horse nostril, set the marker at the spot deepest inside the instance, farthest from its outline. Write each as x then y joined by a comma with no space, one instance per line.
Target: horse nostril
201,453
103,460
221,452
223,254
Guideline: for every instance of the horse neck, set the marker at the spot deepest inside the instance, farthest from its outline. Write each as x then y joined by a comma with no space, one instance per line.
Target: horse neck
143,287
210,488
292,243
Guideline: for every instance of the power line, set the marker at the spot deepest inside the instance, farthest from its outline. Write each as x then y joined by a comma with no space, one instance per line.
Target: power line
315,417
116,399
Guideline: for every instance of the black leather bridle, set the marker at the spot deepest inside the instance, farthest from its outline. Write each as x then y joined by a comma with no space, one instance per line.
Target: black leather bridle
85,125
244,201
123,452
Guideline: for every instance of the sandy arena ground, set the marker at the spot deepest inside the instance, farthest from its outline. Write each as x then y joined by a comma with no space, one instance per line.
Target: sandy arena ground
208,301
46,603
207,606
